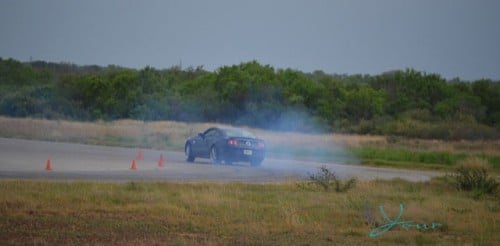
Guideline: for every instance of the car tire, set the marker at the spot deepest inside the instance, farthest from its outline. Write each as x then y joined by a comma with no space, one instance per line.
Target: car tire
214,155
189,153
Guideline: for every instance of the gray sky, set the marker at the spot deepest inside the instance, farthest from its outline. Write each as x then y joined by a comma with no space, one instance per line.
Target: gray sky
454,38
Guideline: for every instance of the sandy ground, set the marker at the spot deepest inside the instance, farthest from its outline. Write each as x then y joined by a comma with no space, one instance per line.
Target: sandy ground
27,159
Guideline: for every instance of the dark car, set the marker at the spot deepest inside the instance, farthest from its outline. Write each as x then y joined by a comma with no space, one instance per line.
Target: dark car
226,145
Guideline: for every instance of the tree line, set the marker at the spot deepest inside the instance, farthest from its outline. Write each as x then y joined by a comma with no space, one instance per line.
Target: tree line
405,103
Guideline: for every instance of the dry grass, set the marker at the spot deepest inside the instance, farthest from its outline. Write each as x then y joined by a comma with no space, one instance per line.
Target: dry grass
176,132
488,147
123,132
35,212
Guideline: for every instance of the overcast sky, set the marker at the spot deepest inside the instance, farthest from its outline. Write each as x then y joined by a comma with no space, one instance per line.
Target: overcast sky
454,38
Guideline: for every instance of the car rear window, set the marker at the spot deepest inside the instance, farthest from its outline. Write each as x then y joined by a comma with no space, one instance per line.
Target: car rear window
238,133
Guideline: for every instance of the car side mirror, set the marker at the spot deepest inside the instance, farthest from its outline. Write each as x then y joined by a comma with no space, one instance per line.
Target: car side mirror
201,135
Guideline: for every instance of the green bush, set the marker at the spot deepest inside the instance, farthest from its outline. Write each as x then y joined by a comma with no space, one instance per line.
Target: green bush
472,175
327,179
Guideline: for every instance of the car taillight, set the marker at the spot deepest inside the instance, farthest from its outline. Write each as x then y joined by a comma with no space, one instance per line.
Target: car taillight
261,145
232,142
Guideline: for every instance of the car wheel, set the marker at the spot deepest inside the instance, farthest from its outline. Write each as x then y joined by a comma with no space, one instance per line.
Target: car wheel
256,162
189,153
214,155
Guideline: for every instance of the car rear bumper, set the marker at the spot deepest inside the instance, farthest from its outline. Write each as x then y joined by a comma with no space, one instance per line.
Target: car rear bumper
243,154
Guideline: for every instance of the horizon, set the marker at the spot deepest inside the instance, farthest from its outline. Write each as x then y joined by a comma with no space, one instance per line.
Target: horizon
275,68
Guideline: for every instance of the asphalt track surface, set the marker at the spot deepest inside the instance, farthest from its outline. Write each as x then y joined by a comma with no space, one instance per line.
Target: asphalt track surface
27,159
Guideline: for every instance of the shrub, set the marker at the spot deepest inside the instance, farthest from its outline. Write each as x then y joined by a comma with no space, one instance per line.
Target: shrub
327,179
472,175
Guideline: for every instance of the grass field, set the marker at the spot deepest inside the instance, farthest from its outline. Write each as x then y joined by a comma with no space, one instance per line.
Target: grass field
165,213
59,213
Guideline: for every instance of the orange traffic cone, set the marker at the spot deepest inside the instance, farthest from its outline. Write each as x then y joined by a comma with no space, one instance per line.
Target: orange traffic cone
161,162
48,166
134,167
139,155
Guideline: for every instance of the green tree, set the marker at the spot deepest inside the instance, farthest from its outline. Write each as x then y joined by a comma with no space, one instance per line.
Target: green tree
489,95
410,89
363,102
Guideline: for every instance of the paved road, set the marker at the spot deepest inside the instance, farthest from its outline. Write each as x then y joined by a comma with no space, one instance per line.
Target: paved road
27,159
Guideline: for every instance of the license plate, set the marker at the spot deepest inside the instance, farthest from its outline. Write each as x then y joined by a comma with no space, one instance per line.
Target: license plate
247,152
